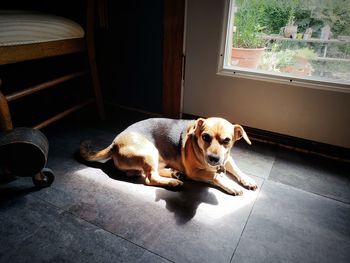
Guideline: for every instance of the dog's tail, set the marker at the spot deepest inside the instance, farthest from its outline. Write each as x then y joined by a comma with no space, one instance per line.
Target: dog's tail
90,155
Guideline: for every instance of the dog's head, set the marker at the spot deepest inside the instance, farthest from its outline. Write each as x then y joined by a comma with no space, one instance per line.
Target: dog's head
215,138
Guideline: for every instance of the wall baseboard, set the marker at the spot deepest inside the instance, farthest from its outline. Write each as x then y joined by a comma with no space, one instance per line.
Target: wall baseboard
294,143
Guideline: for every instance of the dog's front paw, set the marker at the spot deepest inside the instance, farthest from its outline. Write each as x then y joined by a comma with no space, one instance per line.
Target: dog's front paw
249,183
235,191
227,184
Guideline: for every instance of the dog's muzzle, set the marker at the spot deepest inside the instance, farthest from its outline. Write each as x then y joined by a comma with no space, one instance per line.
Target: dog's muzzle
214,160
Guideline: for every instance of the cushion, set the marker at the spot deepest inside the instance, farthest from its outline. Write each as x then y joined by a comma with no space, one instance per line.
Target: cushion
19,27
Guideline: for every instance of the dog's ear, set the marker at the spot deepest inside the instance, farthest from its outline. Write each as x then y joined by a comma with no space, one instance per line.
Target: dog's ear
239,132
195,127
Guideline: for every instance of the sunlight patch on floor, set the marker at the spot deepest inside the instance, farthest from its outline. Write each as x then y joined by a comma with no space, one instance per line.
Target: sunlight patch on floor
101,178
204,203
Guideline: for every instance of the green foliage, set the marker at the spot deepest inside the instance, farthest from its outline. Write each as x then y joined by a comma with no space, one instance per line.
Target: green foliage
278,58
331,66
248,21
305,53
336,15
256,18
270,15
275,17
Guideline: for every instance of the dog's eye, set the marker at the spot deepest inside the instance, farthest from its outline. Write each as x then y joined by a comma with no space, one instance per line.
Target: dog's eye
226,141
206,137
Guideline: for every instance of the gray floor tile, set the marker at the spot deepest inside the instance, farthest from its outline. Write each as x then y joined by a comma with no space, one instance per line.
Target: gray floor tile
256,159
290,225
33,231
194,224
212,234
314,174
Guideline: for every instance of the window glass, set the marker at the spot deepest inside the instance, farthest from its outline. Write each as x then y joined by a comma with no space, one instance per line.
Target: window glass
296,39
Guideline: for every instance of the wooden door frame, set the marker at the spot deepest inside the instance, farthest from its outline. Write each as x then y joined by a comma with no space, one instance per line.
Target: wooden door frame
173,57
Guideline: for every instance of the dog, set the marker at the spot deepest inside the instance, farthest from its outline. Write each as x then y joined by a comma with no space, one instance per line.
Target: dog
163,150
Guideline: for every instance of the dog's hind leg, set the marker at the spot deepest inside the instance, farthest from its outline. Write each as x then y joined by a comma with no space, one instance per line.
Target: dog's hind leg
134,152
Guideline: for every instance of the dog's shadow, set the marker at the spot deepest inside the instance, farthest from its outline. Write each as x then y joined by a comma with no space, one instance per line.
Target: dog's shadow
182,201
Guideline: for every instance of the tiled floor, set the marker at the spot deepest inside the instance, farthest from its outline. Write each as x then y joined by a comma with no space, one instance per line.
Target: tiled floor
93,213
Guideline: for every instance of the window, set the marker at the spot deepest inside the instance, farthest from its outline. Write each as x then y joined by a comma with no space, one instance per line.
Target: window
299,41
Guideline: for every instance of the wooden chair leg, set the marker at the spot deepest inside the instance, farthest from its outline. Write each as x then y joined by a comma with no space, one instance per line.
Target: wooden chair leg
5,116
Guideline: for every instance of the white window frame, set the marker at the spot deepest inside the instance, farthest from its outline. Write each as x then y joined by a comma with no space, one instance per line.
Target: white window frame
225,53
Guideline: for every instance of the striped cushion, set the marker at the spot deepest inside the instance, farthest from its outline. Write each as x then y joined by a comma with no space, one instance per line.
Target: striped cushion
26,27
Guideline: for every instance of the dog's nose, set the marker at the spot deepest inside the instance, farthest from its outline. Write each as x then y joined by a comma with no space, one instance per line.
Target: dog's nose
213,159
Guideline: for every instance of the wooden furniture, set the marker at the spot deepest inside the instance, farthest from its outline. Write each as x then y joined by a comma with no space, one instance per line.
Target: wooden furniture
173,57
49,44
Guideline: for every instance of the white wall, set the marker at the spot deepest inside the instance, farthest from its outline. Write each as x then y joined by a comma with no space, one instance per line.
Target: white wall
318,115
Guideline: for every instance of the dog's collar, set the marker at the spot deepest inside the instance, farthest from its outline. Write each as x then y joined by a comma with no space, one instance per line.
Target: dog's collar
221,169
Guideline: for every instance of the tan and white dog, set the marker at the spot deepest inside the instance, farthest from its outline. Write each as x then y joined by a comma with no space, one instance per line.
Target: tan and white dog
162,149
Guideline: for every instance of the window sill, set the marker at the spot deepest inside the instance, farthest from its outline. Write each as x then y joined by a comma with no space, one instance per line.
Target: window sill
237,72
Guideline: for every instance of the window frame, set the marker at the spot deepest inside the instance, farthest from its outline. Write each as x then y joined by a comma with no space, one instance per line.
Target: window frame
236,72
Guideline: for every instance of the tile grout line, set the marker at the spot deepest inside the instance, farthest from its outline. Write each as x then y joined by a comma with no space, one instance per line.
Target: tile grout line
310,192
313,193
273,164
328,197
240,237
269,171
99,227
262,184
